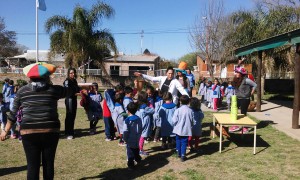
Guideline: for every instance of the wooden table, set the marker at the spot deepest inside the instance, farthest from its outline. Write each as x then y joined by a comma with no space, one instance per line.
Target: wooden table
224,120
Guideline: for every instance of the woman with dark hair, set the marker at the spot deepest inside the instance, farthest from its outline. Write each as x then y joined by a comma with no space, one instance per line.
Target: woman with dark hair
166,83
71,102
40,125
184,81
244,89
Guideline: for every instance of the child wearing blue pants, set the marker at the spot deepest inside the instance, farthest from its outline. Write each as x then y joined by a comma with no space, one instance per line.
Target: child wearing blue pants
132,131
183,120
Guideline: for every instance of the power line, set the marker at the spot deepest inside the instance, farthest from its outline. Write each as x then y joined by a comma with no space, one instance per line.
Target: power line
167,31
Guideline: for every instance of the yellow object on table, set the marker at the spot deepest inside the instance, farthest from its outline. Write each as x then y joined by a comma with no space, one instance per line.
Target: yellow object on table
234,108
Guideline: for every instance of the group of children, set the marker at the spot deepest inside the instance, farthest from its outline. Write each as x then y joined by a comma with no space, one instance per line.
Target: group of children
150,116
212,94
6,103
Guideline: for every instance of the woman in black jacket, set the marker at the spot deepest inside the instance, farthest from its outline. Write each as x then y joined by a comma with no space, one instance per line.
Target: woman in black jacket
40,125
71,102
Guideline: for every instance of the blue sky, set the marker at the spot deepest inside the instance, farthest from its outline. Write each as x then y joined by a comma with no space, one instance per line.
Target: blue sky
165,22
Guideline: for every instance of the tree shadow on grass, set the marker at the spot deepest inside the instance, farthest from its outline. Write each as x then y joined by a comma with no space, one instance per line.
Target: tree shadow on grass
149,164
11,170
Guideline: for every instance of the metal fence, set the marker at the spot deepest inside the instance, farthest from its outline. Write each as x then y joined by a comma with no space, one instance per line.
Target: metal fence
160,72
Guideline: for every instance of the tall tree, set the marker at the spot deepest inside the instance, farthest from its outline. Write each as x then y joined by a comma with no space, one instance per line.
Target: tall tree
7,41
207,33
78,38
190,59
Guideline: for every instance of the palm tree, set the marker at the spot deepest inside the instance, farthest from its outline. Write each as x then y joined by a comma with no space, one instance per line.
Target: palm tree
78,39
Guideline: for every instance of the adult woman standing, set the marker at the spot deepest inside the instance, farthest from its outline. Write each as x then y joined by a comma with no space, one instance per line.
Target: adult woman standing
184,81
40,125
244,89
71,102
166,83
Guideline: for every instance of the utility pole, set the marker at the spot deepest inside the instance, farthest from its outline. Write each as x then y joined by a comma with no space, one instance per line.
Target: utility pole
142,35
206,35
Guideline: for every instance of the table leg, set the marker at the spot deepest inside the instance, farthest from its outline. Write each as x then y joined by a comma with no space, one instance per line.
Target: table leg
254,146
220,138
214,126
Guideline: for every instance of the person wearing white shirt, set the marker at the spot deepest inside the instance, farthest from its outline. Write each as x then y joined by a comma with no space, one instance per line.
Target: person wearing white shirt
166,83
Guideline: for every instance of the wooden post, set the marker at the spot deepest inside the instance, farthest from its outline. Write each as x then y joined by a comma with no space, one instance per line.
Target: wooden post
258,90
295,120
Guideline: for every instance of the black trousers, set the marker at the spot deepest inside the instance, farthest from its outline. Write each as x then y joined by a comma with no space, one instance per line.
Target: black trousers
71,109
191,92
243,104
39,146
133,154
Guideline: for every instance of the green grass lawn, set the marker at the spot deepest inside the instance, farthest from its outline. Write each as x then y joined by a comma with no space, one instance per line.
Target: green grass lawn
90,157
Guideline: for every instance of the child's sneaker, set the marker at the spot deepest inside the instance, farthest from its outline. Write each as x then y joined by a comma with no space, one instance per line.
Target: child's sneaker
163,146
234,128
130,168
122,144
70,137
183,158
92,132
143,153
107,139
156,140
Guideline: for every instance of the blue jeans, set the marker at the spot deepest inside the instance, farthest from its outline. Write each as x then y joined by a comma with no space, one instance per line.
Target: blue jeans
132,154
181,144
109,127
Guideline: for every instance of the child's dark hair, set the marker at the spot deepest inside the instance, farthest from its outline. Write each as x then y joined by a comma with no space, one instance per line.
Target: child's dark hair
167,96
119,88
195,103
119,97
142,98
151,88
159,93
128,90
1,95
11,82
184,99
132,107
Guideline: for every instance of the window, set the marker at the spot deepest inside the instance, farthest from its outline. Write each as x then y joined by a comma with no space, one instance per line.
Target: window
114,70
213,67
141,69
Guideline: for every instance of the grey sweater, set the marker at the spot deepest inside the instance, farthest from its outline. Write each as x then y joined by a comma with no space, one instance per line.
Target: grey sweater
183,120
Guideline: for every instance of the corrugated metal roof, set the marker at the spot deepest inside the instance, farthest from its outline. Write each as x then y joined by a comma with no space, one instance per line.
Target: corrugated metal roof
136,58
30,55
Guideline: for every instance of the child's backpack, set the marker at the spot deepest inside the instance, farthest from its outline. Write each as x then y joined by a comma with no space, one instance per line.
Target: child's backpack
84,102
